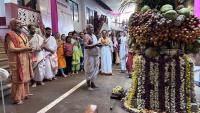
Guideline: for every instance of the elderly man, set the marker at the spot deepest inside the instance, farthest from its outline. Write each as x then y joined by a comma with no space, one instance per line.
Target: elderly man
17,48
36,43
91,57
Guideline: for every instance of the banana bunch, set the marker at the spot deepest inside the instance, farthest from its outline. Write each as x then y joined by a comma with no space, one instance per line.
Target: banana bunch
117,90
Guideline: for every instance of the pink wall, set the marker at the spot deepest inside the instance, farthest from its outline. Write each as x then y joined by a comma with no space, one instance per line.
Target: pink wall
197,8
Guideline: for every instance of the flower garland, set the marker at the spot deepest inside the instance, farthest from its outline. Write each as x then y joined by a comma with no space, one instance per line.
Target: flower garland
156,84
166,87
132,91
188,83
172,89
141,89
182,86
151,74
146,85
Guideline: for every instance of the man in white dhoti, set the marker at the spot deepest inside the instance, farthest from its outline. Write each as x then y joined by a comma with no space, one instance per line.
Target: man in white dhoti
37,56
51,59
123,51
91,57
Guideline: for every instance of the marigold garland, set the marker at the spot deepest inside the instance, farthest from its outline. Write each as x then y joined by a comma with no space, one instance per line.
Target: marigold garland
188,83
138,88
132,90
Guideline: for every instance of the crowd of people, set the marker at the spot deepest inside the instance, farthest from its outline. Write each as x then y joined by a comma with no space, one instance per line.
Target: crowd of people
37,57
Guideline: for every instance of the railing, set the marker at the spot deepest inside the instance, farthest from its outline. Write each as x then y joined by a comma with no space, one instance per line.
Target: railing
28,16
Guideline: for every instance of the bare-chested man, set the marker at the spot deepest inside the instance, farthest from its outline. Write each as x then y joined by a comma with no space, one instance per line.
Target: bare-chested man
91,57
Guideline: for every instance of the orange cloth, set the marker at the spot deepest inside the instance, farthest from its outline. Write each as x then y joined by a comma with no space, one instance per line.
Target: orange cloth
20,65
61,55
105,41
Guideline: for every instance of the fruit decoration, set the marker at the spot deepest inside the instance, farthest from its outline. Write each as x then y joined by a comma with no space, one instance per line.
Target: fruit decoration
145,8
117,90
151,27
166,8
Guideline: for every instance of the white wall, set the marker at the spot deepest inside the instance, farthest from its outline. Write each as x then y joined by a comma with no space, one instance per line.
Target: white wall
82,4
78,26
65,23
2,8
95,6
45,9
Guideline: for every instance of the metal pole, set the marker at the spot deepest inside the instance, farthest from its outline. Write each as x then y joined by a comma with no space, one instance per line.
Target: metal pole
2,96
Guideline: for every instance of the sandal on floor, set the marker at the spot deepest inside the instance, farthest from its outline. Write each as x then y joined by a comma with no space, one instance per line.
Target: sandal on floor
18,103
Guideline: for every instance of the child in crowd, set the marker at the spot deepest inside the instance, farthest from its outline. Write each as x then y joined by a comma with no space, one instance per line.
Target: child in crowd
68,47
61,56
77,55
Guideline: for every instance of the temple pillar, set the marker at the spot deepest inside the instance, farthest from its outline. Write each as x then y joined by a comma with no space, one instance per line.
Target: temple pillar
54,16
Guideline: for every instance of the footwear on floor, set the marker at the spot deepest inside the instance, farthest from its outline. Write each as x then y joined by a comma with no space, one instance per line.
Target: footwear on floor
34,85
90,89
18,102
93,85
88,83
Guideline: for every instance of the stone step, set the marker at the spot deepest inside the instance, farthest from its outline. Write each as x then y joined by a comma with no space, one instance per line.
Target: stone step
3,54
2,49
5,67
3,61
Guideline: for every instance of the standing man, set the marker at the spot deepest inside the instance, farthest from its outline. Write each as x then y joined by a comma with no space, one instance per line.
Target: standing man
17,48
51,60
123,51
38,54
91,57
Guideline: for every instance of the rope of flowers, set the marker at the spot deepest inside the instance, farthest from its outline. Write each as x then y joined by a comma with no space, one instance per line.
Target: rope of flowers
132,91
141,84
182,92
173,95
188,84
167,87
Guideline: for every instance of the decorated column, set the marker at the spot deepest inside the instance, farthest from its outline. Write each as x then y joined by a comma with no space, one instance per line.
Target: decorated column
54,16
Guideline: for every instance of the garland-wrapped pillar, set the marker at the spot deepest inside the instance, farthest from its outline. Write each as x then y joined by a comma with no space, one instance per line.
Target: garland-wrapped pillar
161,84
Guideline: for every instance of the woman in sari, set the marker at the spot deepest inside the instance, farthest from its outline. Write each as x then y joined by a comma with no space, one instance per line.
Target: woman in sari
106,54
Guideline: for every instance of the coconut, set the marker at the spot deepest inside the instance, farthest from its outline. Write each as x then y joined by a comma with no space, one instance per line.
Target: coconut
151,52
179,20
171,14
184,11
166,8
145,8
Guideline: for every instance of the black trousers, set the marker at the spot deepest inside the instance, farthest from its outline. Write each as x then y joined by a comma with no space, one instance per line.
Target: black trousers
69,64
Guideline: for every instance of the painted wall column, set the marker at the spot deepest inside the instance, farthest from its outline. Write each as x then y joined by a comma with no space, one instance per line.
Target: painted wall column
197,8
54,16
